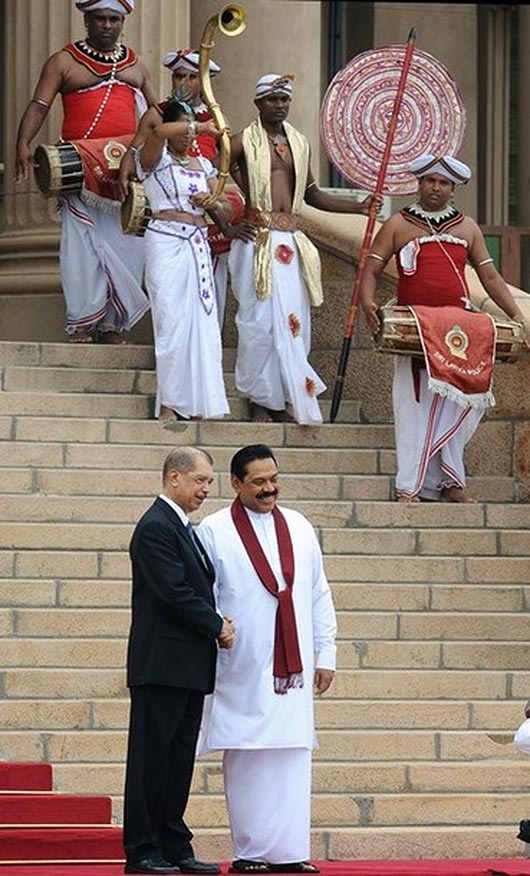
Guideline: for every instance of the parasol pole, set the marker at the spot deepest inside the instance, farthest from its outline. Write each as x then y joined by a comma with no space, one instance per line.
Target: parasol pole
370,225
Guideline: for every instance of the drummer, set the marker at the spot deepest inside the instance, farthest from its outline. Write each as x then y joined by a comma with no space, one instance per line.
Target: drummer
185,84
432,242
100,81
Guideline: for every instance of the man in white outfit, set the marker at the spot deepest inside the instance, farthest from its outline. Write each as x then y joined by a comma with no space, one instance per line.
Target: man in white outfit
277,279
270,578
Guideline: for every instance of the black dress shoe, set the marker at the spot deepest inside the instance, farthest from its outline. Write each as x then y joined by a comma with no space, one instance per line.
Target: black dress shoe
192,865
151,865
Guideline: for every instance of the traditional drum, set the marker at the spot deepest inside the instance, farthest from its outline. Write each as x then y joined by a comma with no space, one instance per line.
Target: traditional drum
399,335
135,210
58,170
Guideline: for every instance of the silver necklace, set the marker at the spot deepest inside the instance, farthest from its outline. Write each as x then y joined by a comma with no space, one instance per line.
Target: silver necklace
183,160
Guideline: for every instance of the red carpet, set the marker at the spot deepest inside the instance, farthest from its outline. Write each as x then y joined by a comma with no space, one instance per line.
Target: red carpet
45,808
26,776
46,834
343,868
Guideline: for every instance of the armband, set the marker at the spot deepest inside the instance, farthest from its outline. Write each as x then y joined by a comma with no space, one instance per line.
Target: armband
310,186
40,102
375,255
485,262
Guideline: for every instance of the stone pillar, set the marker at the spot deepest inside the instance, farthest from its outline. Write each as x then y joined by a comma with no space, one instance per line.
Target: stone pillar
495,114
523,151
34,29
41,27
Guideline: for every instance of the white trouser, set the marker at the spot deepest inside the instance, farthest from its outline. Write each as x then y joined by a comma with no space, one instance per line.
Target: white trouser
431,435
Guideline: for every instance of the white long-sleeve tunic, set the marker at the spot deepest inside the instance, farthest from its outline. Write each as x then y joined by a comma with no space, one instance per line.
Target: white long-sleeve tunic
244,711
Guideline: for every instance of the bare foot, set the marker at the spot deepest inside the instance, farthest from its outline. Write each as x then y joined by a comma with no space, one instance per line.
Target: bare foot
408,500
456,494
167,415
281,416
81,338
114,338
259,414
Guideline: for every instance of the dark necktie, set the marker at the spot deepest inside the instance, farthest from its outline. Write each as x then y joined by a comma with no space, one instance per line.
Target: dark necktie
195,542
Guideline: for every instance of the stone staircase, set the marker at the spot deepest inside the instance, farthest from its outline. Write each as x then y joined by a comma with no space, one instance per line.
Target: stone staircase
432,604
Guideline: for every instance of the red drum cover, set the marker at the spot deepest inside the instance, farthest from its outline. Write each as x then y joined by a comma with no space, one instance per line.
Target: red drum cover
356,112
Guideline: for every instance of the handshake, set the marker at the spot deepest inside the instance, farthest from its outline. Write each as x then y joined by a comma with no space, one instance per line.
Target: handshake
226,637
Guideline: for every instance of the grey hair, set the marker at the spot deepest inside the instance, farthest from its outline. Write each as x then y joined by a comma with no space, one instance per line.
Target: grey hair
184,459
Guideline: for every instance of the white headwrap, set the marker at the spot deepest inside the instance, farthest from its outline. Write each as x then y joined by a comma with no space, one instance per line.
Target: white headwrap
455,171
272,83
123,6
187,60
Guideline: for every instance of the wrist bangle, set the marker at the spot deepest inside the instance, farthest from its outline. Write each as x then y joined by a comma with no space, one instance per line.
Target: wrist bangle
192,129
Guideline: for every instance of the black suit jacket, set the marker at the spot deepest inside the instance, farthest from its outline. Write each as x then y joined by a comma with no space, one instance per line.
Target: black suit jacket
174,625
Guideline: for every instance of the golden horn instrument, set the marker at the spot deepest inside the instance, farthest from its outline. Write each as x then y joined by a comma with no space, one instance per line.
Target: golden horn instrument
231,22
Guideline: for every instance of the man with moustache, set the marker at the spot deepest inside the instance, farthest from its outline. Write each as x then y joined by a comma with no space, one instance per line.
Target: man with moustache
269,577
102,84
173,640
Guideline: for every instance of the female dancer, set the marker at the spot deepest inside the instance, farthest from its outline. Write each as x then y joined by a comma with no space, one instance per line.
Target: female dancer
179,275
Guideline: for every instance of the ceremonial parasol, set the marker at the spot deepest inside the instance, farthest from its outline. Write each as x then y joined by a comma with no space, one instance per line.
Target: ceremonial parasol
386,107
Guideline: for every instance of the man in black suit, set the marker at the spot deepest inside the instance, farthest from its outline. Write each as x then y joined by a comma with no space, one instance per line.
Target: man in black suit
175,632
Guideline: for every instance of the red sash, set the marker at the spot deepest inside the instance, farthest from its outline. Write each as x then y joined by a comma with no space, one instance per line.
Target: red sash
287,666
459,347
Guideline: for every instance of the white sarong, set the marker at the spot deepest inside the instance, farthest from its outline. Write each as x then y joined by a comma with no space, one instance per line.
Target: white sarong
275,332
187,338
180,283
431,435
268,794
101,270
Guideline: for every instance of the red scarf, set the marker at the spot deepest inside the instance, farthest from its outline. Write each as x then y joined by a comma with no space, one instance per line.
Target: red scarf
287,667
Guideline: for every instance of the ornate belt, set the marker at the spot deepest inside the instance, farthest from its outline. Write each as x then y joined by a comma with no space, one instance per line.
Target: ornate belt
275,221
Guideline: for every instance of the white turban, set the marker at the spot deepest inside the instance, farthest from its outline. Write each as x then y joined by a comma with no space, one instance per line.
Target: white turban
455,171
272,83
123,6
187,60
